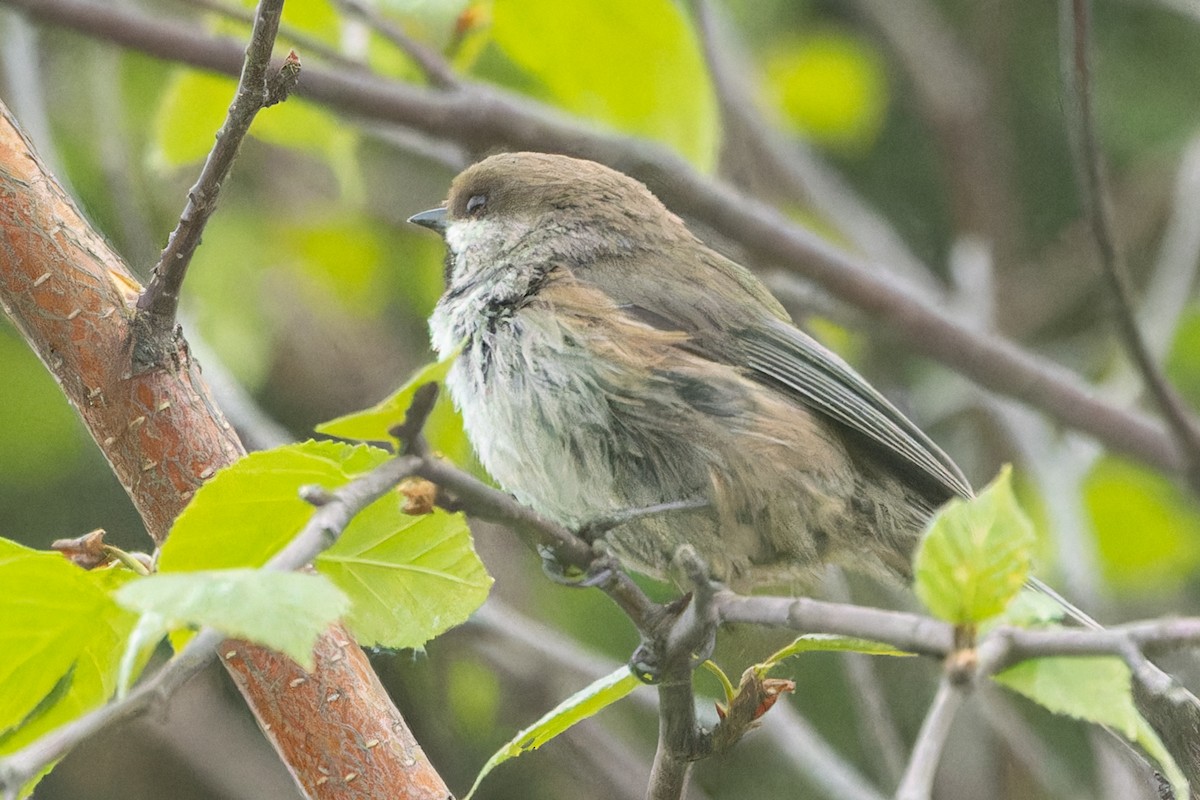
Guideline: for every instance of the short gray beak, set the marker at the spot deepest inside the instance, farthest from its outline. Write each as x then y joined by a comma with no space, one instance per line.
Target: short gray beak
434,219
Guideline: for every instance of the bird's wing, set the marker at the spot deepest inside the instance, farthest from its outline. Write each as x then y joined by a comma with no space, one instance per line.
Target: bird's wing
781,354
770,348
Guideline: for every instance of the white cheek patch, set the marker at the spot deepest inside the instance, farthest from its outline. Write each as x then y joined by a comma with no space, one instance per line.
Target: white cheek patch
470,242
467,233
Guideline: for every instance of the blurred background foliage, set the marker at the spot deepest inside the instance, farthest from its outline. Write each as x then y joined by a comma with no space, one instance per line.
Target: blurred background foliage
311,294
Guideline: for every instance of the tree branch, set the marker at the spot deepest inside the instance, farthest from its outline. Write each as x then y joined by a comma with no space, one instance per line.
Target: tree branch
917,783
1076,23
309,45
482,118
542,536
435,68
154,329
954,97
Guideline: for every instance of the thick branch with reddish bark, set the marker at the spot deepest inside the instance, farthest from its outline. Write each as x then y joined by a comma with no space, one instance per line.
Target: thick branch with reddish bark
73,299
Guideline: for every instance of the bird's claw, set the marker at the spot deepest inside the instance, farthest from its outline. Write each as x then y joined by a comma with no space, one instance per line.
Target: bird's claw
598,572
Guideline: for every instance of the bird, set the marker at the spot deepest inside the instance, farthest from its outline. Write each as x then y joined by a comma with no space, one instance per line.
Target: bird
611,360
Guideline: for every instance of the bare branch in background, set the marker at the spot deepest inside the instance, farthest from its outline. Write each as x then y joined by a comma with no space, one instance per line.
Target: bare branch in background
483,118
763,158
1061,461
308,45
437,70
917,783
1077,64
954,97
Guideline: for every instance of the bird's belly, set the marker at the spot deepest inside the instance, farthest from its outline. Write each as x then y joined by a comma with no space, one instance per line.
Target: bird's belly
539,412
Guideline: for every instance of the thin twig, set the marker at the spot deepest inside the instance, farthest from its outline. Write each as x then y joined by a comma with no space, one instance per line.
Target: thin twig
409,432
687,640
912,633
482,118
159,303
1059,462
917,783
676,730
433,66
1076,18
1177,263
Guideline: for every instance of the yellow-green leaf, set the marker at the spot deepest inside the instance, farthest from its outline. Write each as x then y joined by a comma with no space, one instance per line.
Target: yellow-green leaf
409,577
830,85
1147,528
1095,689
248,511
373,424
825,642
59,624
633,64
576,708
285,611
975,556
62,640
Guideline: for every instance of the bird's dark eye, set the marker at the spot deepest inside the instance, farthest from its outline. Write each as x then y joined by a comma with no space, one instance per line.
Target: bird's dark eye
476,204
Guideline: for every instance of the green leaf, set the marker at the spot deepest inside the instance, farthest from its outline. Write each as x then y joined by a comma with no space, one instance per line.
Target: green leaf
831,85
409,577
373,424
1095,689
1092,688
975,556
576,708
61,643
140,646
285,611
1029,609
1146,527
726,685
194,107
248,511
825,642
1147,738
59,621
634,64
